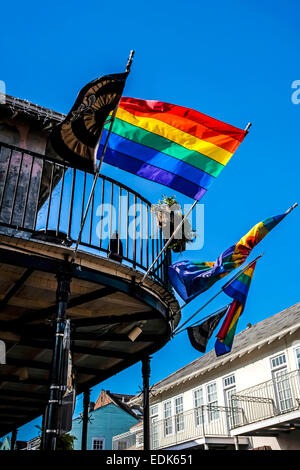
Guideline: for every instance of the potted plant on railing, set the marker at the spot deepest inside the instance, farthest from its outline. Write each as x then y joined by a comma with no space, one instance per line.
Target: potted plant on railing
168,216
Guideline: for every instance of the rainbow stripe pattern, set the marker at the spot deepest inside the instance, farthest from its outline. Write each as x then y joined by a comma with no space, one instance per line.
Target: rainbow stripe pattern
238,290
175,146
190,278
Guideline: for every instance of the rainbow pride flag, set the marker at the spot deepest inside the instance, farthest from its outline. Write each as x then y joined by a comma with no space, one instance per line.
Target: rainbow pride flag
238,290
190,278
171,145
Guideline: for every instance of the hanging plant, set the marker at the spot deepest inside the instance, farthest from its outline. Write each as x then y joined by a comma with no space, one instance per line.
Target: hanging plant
168,216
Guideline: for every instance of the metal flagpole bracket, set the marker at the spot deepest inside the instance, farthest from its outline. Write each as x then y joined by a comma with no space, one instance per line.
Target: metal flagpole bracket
169,241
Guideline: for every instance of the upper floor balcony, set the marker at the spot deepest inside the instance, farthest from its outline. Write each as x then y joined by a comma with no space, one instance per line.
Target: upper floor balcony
270,407
206,425
41,199
266,409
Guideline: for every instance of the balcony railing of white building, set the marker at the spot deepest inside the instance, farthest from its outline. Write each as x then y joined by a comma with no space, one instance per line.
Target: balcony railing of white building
128,441
204,421
275,397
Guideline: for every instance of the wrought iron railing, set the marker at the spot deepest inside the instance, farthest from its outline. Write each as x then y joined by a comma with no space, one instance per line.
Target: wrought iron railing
43,199
204,421
275,397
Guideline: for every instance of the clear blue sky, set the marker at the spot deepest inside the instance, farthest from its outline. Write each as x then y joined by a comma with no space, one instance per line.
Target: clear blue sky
233,60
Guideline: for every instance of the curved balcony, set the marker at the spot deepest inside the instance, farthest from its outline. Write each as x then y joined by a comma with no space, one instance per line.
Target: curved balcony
115,320
43,200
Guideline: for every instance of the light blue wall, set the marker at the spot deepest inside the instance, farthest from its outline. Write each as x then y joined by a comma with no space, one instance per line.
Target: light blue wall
5,445
107,421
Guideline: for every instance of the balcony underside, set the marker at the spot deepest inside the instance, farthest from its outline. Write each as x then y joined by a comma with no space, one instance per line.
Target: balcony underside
271,427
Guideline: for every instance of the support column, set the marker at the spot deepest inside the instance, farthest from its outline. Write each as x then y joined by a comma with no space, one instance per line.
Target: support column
86,403
236,442
43,429
54,404
146,401
13,439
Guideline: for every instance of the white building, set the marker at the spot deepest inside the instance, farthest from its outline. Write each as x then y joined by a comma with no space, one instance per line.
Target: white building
249,398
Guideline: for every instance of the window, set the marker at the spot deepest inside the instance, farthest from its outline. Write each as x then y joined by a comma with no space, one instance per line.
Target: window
179,418
298,357
229,381
154,410
139,439
198,403
232,413
229,390
168,425
154,433
206,409
212,401
122,445
173,415
281,382
154,426
98,443
278,361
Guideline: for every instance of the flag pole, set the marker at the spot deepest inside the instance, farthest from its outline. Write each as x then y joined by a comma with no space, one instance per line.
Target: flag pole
111,120
202,319
169,241
286,212
207,316
218,293
291,208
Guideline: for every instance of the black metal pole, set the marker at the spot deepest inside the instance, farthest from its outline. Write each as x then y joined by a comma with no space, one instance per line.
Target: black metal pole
42,443
13,439
86,403
146,401
54,404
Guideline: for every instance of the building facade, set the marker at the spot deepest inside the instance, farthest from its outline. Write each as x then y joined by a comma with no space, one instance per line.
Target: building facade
111,415
247,399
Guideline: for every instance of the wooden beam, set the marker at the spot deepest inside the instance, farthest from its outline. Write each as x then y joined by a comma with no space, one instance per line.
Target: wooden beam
80,300
118,319
12,413
15,379
36,396
14,289
100,352
19,403
32,364
114,337
76,349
